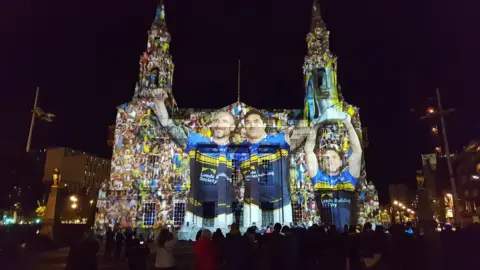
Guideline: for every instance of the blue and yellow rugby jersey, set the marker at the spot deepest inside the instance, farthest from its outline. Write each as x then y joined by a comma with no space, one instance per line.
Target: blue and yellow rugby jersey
210,174
266,171
343,181
334,206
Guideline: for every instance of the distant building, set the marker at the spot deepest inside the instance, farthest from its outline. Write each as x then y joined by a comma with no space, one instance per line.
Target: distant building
111,135
400,193
81,172
467,175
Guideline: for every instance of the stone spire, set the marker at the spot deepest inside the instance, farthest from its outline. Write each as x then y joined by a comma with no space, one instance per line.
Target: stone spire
318,39
156,66
322,100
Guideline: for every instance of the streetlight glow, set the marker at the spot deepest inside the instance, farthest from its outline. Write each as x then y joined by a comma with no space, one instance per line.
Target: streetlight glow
395,202
73,198
74,205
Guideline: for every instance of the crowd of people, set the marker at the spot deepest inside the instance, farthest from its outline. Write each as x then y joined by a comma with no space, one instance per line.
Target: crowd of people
399,247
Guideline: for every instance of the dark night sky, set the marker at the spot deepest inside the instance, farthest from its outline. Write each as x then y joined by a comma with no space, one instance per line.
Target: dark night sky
392,54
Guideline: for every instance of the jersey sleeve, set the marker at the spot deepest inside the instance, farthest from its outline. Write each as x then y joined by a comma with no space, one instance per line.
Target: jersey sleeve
348,178
193,140
280,139
317,177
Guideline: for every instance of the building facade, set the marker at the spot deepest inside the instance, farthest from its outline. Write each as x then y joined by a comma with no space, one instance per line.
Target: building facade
81,172
209,168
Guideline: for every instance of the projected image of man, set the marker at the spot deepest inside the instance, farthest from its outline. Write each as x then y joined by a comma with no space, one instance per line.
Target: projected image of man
331,176
265,170
210,162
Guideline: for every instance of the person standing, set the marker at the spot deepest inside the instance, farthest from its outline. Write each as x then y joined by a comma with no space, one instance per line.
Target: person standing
164,259
206,252
109,244
137,257
83,256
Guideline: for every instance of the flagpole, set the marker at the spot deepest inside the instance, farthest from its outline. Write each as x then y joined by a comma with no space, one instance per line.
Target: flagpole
32,122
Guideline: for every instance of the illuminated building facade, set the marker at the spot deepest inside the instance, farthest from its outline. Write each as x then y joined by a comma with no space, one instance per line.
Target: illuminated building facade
208,168
81,172
467,173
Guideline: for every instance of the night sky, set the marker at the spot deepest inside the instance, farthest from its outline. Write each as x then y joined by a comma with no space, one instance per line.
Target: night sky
392,55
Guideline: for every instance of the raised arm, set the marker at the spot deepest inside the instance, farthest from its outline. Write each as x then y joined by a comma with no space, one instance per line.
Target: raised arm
311,159
178,134
355,159
297,134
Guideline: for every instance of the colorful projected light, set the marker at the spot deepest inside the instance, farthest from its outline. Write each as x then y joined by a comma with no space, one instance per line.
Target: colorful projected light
208,168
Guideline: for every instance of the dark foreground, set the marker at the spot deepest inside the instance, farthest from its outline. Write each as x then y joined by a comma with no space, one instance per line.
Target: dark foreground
56,260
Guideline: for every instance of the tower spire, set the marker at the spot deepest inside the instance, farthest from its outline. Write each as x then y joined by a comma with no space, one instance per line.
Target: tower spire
238,82
317,21
318,38
156,66
322,100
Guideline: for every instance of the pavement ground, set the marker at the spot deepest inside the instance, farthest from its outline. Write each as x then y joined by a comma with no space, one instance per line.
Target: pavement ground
56,260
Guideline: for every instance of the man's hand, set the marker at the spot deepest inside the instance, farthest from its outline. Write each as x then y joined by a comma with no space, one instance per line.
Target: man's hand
159,95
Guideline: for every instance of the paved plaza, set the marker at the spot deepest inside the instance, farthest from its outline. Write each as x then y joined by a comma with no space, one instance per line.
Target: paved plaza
56,260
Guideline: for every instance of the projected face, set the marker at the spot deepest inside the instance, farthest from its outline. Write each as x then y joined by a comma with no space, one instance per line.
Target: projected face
255,127
223,125
331,162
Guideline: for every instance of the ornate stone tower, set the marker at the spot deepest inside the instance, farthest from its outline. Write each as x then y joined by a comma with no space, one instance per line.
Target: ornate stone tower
156,66
322,100
139,192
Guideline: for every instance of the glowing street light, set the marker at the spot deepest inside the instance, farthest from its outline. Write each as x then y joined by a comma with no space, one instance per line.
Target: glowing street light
430,110
395,202
74,205
73,198
91,202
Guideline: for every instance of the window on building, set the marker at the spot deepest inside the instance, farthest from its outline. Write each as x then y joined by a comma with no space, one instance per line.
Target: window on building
264,169
148,213
267,213
326,214
297,212
152,165
177,180
235,167
179,213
